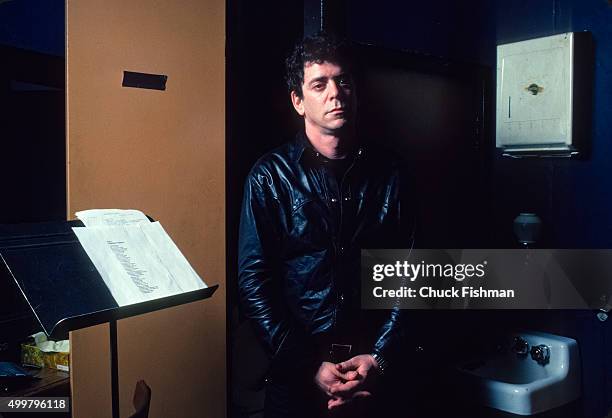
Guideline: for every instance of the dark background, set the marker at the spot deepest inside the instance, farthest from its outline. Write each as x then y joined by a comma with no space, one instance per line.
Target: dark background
32,120
470,194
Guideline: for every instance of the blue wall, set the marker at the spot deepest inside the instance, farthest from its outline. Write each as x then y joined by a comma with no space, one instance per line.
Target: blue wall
573,197
36,25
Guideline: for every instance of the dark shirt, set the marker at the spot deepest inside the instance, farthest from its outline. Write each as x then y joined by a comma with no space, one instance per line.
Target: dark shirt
304,221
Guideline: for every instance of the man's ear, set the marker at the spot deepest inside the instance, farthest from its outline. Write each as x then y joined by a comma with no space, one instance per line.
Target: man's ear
298,103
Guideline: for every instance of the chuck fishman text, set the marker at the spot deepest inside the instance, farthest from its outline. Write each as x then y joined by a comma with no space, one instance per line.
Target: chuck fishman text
452,292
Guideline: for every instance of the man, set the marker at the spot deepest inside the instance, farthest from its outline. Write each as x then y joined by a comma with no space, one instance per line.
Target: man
309,207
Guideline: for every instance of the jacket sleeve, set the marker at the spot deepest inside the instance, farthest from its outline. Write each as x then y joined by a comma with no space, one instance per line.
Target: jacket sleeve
391,343
259,285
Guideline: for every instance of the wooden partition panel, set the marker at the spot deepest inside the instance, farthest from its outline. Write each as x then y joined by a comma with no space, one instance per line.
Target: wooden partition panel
162,152
90,357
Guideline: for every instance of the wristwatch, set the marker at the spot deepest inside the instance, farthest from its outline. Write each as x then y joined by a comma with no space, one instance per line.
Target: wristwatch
382,363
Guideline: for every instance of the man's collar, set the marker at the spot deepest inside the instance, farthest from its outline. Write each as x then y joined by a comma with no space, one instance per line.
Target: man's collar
301,144
302,148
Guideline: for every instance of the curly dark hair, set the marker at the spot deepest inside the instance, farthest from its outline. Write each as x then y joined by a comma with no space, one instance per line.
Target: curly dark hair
315,49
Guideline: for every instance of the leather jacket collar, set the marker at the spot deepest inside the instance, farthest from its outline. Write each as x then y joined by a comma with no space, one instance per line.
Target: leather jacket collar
302,149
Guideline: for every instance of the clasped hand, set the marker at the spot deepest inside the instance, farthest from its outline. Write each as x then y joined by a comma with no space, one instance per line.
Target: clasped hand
347,381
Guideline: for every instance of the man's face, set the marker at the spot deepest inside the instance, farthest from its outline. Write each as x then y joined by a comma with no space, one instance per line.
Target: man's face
328,97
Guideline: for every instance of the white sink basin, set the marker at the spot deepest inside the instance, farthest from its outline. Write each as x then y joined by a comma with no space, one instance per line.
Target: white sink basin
519,384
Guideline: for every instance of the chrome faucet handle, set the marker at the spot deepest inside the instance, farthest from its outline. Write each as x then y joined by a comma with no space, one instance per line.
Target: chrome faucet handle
520,346
540,353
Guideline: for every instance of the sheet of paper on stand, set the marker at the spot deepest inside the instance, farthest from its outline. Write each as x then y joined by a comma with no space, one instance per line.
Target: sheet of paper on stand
111,217
138,261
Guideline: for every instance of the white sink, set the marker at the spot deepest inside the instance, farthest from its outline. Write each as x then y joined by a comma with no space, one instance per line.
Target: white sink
519,384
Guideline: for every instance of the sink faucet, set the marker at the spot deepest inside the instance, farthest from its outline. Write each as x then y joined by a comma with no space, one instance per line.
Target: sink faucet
540,353
520,346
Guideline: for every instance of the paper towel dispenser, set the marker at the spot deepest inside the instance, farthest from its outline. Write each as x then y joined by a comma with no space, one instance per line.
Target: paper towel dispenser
544,91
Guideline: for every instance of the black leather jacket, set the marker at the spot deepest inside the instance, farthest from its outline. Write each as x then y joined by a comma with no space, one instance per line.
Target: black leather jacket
299,248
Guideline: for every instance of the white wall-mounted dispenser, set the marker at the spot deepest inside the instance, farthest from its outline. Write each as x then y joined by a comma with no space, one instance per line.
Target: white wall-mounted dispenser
544,91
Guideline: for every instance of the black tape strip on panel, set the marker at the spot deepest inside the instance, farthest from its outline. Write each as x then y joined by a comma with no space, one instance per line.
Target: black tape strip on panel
144,81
